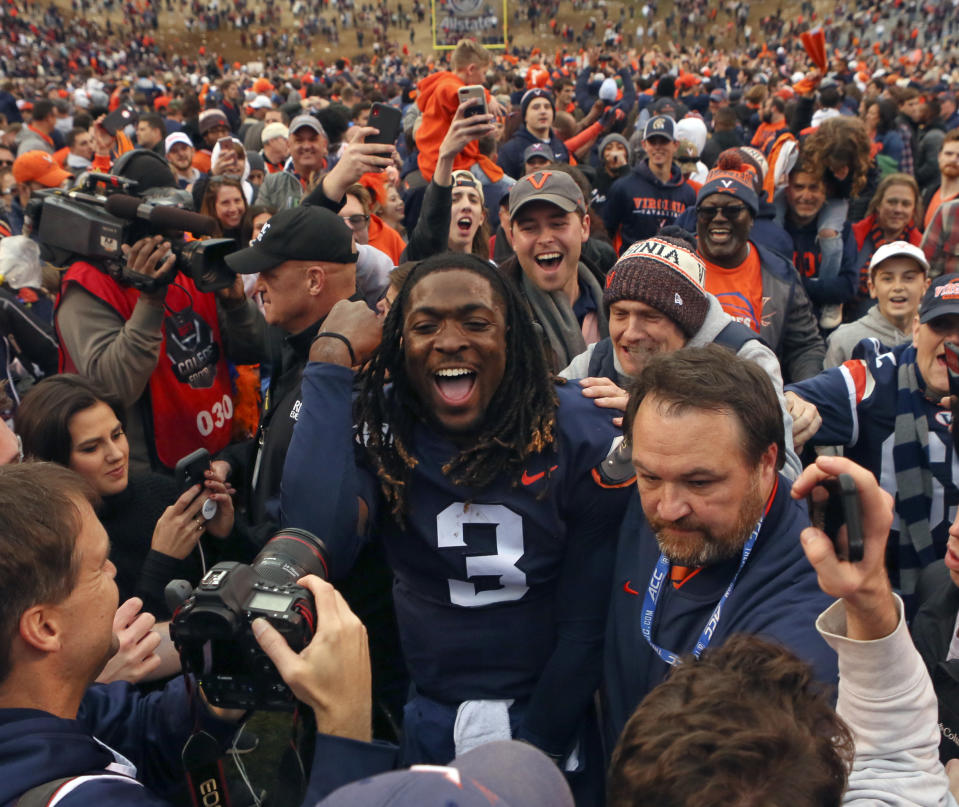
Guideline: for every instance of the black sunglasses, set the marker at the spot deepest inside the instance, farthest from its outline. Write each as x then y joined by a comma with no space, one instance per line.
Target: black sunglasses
730,212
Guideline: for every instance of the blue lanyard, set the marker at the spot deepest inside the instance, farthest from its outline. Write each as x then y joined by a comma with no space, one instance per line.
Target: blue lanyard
655,587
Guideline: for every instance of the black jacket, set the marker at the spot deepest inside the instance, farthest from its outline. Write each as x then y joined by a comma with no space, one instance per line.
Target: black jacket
258,463
932,630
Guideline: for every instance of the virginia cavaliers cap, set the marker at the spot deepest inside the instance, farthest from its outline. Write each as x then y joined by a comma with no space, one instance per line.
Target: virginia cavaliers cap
304,233
555,187
941,298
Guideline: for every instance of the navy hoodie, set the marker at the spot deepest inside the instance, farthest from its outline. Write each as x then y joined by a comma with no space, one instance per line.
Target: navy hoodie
510,157
643,204
775,597
148,730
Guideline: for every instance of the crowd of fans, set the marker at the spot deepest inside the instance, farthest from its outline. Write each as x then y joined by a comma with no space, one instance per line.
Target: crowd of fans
551,373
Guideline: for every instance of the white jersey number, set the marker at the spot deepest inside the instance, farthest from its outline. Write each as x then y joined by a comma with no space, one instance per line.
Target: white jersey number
509,549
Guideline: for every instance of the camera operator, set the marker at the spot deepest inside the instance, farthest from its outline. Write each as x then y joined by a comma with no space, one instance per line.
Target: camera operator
163,352
107,744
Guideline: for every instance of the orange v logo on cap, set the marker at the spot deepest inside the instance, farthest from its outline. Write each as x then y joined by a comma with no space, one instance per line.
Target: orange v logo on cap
538,183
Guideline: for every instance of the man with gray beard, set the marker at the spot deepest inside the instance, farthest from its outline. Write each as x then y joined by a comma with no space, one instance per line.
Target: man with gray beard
710,546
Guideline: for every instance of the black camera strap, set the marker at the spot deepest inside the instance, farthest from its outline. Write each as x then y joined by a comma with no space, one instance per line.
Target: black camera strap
293,774
205,774
202,760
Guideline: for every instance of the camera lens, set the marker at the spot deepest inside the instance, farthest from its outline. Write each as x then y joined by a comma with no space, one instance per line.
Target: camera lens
290,554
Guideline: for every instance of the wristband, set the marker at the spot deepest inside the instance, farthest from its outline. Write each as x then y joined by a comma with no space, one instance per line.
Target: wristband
343,339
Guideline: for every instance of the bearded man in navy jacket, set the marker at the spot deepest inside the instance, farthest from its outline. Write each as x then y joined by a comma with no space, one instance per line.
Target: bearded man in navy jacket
710,547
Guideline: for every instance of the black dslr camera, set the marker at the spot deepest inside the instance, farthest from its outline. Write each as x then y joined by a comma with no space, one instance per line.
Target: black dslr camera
94,219
211,626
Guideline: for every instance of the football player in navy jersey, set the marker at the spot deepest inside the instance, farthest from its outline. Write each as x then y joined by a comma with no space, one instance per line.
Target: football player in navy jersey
883,407
487,481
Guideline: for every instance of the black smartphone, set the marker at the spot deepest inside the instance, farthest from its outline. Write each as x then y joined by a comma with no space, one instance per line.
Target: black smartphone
121,116
952,368
388,119
473,91
189,471
841,507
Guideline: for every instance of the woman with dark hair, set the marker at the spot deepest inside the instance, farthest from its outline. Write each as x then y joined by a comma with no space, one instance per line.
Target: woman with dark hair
879,115
224,201
153,528
254,219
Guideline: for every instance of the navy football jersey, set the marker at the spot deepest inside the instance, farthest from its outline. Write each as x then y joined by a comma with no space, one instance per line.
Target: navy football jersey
501,593
483,577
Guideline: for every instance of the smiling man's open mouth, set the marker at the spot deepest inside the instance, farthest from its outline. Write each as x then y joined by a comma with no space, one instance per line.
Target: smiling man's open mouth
454,384
720,234
549,260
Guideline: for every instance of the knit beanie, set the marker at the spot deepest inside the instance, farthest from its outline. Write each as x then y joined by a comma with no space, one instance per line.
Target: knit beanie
530,95
665,274
210,118
731,177
615,138
753,162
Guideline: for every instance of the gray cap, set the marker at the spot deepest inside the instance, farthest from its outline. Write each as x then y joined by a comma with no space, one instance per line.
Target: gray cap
555,187
301,121
538,150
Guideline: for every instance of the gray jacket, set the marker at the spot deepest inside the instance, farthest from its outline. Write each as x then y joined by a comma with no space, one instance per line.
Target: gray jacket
871,324
29,140
754,350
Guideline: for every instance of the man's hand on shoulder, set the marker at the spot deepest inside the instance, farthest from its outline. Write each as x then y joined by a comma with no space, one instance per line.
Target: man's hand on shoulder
606,394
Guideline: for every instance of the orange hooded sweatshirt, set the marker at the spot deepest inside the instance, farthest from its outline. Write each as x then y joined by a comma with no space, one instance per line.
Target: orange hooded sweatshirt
386,239
438,101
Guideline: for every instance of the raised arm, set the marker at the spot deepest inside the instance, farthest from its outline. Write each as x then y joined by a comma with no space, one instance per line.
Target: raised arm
321,482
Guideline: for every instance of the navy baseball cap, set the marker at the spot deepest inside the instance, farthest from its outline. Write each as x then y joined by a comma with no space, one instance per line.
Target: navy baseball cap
660,126
504,774
941,298
304,233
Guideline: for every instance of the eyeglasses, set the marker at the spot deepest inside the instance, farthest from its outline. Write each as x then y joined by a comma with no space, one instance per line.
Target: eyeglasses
356,220
6,163
730,212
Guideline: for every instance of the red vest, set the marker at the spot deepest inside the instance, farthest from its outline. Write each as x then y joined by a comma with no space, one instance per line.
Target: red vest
191,396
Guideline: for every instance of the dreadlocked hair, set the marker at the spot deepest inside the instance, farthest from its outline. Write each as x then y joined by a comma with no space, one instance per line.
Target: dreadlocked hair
519,420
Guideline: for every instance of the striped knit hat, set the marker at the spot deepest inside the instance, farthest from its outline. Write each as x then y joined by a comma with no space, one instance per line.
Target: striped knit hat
665,274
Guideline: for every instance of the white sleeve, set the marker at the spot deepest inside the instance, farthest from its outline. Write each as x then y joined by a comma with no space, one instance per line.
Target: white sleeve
887,700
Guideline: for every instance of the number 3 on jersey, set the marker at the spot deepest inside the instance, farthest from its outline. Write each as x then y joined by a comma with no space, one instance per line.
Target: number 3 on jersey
450,525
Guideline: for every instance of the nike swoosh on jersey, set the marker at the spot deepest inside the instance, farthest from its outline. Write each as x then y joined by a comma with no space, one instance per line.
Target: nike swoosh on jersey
629,589
528,480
